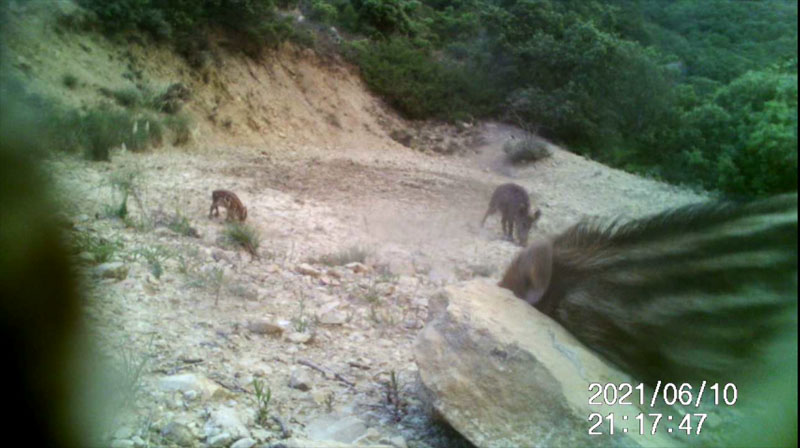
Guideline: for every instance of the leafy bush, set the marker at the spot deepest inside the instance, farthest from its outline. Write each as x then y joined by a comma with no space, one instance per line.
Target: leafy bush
130,97
70,81
252,24
745,141
526,149
244,236
103,128
181,127
323,12
414,82
384,16
100,249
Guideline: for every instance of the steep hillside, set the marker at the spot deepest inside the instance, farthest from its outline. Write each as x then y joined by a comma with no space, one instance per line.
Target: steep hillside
357,232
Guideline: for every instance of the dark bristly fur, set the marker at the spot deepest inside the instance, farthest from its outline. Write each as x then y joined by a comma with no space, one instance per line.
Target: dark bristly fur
697,293
229,200
514,205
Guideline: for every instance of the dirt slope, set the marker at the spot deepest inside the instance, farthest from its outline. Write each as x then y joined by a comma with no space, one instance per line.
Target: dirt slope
307,148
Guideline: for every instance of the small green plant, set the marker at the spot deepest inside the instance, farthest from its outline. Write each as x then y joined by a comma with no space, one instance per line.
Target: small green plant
243,235
330,399
373,314
100,249
188,260
155,257
130,368
263,397
212,280
300,321
180,224
119,210
396,404
526,149
124,183
216,279
381,317
372,295
70,81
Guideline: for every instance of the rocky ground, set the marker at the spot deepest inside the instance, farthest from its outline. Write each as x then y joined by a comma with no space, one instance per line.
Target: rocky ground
361,216
352,247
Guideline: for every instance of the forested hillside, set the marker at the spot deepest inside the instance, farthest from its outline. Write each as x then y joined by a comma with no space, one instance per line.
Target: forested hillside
694,91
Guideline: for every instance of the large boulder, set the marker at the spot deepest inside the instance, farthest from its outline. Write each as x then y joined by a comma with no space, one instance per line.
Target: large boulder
505,375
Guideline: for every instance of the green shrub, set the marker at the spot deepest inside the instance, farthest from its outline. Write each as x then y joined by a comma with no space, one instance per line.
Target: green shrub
70,81
526,149
244,236
180,224
263,396
130,97
251,25
103,128
413,81
181,127
101,249
323,11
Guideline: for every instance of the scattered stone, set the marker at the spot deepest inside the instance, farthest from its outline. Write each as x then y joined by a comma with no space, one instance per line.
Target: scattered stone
263,326
115,269
86,257
123,432
397,441
358,268
122,443
299,338
442,275
225,420
246,442
329,428
401,265
138,442
261,434
412,324
220,440
371,435
305,443
178,434
300,380
246,292
333,318
360,363
190,382
307,269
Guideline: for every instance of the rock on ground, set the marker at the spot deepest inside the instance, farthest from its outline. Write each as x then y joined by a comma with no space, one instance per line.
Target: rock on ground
503,374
